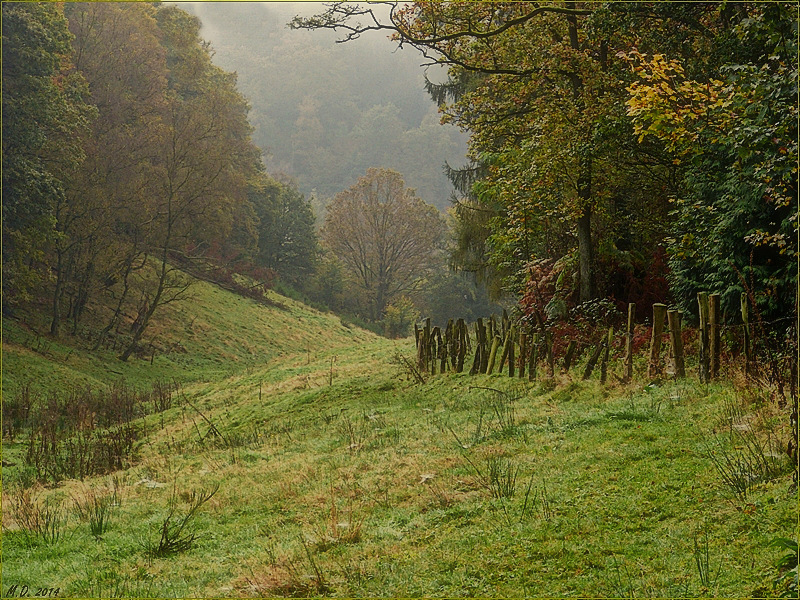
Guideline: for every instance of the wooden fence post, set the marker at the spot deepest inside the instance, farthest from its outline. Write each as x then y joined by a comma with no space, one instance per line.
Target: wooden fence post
512,334
442,349
674,321
432,349
629,343
461,335
486,345
659,312
714,336
476,360
422,345
523,352
703,367
573,345
493,354
604,363
532,357
551,361
587,372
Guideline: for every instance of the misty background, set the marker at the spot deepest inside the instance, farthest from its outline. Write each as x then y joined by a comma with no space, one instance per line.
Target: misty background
325,112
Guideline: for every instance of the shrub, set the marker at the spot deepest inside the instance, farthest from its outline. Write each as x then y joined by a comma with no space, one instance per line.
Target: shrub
400,315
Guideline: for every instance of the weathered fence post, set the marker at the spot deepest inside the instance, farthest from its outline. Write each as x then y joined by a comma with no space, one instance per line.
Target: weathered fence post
659,312
476,361
532,357
703,367
422,346
485,341
432,349
587,372
569,354
493,354
461,336
442,350
714,336
674,321
629,343
512,334
551,361
604,363
523,352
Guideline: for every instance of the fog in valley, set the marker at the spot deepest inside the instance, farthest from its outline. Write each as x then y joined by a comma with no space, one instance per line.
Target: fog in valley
325,112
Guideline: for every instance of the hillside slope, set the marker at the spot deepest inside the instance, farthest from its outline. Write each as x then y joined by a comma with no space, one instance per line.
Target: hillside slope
336,475
213,334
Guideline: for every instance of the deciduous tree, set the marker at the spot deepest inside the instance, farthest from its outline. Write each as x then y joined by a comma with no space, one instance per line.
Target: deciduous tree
385,235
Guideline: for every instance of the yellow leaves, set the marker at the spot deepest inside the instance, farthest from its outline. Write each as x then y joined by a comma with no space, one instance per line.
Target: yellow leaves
664,104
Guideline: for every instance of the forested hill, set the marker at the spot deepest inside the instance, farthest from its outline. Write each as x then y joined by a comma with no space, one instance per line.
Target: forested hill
325,112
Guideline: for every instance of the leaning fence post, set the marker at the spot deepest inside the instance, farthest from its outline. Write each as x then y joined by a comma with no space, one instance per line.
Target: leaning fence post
604,362
569,355
659,312
523,352
493,354
587,372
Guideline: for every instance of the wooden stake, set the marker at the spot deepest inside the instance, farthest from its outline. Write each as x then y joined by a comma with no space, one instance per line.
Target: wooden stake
461,334
587,372
485,352
659,312
604,363
512,334
493,354
676,341
523,352
569,355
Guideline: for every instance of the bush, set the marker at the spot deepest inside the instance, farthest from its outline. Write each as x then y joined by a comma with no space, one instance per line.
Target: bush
400,315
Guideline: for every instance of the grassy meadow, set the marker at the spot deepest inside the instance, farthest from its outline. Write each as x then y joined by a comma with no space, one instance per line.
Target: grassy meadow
296,457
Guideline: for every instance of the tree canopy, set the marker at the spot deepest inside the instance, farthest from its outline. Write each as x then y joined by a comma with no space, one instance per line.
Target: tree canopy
604,133
385,235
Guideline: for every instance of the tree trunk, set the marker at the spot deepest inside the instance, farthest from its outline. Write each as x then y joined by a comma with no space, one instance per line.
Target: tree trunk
55,324
585,256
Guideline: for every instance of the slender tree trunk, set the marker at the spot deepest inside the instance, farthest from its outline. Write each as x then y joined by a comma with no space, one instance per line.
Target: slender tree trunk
586,256
55,323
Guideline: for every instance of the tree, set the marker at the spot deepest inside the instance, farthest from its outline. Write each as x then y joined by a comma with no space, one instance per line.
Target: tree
734,133
116,48
385,235
287,238
203,162
536,86
44,119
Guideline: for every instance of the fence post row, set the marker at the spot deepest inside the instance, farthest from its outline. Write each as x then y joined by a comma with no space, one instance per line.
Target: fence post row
451,347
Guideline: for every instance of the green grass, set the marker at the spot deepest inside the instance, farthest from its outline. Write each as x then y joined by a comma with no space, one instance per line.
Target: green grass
338,476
